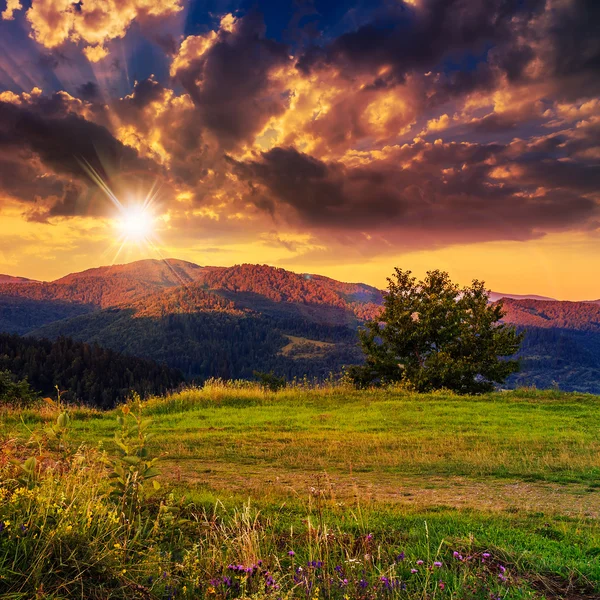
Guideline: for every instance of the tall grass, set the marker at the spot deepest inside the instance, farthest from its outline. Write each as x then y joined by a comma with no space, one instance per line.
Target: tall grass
62,537
68,531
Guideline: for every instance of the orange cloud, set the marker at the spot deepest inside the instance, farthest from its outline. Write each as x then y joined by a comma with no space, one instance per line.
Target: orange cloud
92,23
11,7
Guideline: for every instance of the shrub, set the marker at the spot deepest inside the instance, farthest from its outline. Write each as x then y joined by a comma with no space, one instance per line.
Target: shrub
14,392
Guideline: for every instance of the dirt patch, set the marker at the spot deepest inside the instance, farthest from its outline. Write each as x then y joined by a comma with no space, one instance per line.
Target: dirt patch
553,587
510,496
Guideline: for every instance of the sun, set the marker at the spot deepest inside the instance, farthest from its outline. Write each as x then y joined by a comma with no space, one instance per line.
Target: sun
136,223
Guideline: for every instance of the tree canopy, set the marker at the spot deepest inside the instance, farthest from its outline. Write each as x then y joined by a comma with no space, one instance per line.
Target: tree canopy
435,334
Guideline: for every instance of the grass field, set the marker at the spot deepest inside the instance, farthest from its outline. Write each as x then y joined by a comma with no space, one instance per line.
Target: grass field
357,478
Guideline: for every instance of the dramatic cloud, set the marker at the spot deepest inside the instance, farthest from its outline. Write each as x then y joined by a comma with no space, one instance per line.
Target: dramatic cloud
401,125
231,75
93,22
46,144
457,191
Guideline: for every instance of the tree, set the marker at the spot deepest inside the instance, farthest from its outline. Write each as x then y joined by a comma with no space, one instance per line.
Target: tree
433,334
269,381
15,392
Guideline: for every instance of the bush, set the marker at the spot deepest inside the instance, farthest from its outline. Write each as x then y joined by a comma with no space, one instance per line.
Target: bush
18,393
269,381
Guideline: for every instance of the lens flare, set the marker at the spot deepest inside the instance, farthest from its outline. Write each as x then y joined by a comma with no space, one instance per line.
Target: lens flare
136,224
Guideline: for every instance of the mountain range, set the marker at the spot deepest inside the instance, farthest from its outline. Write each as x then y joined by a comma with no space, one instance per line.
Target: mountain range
231,321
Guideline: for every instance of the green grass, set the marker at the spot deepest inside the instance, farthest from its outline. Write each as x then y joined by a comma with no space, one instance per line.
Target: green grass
539,437
515,474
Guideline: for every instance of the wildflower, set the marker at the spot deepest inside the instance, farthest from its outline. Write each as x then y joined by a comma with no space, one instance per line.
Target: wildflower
414,571
117,545
486,555
400,557
363,584
442,585
437,563
124,571
419,562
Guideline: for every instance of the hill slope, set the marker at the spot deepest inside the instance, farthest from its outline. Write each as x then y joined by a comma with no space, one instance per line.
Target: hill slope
10,279
109,286
230,321
87,373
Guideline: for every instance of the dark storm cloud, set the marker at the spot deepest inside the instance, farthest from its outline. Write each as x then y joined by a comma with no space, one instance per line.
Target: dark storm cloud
571,39
20,177
510,78
230,82
471,44
43,145
62,139
449,189
407,37
89,91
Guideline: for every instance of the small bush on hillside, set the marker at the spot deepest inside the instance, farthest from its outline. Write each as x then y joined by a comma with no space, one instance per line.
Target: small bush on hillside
269,381
18,393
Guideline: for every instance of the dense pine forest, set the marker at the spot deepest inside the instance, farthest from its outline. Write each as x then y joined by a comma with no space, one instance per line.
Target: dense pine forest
87,373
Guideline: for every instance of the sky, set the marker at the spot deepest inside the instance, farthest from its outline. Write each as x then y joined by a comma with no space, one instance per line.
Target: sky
326,136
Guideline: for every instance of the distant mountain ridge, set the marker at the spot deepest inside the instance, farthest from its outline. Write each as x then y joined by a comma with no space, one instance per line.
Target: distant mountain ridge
126,285
230,321
12,279
495,296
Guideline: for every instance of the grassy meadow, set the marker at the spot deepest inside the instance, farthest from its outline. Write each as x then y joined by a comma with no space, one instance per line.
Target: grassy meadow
308,492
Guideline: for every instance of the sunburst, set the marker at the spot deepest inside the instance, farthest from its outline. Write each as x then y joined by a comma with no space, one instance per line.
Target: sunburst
136,223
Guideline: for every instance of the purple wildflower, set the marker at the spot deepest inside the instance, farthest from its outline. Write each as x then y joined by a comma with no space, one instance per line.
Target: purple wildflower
437,563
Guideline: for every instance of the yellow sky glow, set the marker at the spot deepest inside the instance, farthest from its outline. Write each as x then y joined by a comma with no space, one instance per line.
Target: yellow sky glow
558,265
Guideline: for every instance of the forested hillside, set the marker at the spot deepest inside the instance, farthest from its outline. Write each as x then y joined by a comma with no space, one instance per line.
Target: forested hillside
230,321
108,286
11,279
576,316
87,373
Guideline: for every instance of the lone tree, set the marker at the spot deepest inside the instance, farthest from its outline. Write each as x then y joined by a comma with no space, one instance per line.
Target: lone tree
434,334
